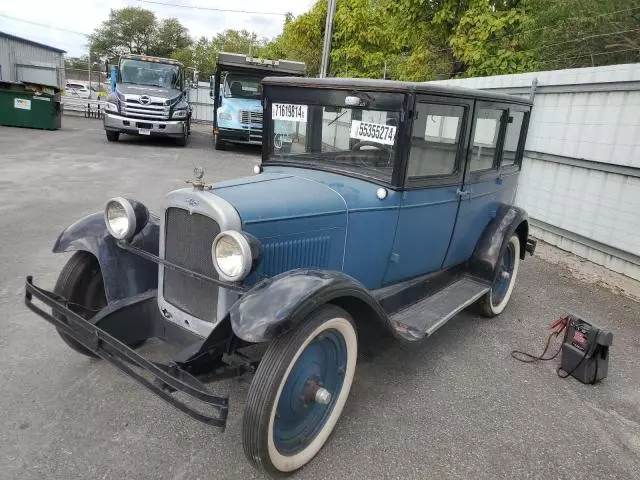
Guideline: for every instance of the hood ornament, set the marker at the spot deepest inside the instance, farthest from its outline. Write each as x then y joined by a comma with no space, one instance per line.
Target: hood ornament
199,183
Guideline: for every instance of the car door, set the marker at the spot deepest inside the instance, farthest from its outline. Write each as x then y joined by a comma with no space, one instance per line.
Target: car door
483,190
434,174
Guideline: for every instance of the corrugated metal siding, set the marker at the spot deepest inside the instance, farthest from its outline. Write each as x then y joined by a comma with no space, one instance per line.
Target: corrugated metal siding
24,62
597,125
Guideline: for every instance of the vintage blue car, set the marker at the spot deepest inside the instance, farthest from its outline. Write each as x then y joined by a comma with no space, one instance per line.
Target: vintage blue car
380,208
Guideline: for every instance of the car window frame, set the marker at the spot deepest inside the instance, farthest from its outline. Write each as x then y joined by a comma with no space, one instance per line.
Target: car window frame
456,177
517,165
386,101
494,170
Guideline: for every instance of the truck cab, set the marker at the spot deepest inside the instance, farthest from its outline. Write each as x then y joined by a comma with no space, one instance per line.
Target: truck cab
150,97
236,89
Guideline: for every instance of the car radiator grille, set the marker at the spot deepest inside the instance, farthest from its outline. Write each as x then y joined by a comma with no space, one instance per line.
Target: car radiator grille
188,239
250,118
152,111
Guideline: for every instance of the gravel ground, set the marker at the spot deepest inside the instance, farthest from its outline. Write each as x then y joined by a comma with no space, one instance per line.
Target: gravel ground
457,407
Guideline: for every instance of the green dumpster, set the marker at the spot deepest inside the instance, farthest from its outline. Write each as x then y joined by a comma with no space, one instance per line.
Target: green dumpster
29,105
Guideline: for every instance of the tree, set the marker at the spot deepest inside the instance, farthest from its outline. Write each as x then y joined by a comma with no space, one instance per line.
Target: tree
170,35
136,30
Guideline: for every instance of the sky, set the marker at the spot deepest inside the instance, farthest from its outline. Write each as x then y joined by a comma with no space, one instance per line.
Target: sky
85,15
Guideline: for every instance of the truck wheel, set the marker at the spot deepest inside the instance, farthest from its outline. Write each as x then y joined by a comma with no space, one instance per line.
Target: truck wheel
80,282
299,391
183,140
496,299
112,136
219,144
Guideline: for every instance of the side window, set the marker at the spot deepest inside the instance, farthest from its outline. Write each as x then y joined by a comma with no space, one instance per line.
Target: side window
485,139
434,140
512,138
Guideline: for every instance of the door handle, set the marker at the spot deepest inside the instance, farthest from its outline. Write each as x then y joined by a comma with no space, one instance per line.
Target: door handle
463,193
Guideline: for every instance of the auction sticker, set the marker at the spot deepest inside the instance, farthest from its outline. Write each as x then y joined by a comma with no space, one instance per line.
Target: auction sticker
22,104
374,132
288,111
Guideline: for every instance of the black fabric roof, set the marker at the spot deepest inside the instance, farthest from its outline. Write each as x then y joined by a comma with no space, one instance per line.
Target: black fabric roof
394,86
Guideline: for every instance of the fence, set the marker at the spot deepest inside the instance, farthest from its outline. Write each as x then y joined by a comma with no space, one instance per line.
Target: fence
580,179
199,99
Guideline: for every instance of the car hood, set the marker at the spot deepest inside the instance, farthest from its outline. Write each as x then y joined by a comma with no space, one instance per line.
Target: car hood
133,89
235,104
279,196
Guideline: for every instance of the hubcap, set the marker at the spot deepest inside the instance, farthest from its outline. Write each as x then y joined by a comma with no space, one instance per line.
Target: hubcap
310,392
505,271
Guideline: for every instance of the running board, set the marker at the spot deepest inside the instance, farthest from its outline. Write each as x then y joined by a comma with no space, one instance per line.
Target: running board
422,319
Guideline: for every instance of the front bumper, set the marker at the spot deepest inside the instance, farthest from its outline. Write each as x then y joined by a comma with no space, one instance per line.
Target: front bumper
168,128
127,322
252,136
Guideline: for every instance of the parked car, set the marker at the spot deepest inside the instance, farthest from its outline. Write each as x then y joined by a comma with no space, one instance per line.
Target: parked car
389,211
77,89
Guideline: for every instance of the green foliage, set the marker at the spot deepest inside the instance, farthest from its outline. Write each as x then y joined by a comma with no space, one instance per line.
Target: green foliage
136,30
413,40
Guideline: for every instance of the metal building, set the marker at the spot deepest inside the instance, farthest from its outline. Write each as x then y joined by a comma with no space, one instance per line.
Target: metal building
580,180
23,60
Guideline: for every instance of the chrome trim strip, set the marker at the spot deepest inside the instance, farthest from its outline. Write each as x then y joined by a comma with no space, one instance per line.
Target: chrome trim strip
210,205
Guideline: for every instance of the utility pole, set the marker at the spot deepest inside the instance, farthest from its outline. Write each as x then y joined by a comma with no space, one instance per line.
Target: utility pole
328,32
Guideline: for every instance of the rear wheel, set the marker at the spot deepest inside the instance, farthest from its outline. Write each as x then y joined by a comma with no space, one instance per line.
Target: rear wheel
80,282
112,136
299,391
496,299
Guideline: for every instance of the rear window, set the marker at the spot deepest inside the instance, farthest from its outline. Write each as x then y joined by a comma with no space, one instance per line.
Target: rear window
75,86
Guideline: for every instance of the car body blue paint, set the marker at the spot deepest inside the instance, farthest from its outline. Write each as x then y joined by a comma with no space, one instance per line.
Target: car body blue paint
475,213
233,106
425,225
292,211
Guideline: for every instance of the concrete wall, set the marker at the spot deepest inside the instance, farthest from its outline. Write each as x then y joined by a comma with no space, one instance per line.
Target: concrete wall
580,179
23,61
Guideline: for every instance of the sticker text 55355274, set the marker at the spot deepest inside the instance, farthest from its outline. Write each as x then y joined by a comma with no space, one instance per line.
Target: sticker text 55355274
373,132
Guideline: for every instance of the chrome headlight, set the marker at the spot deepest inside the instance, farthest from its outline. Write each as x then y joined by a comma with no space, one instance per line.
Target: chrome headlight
180,114
232,256
124,218
225,116
111,107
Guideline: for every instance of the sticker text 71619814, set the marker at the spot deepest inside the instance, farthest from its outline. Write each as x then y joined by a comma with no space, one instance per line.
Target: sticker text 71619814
374,132
289,111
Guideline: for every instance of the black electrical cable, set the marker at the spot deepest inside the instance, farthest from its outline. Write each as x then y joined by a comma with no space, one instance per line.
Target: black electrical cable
529,358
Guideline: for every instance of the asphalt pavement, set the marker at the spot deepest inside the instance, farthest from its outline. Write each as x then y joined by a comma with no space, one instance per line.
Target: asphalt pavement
458,407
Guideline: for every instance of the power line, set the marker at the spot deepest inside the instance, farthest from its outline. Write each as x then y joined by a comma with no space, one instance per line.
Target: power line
212,9
43,25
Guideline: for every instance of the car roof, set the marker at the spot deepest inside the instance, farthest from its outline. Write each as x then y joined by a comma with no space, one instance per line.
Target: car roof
393,86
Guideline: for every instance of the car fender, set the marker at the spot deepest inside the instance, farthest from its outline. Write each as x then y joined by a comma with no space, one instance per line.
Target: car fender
125,274
278,304
491,245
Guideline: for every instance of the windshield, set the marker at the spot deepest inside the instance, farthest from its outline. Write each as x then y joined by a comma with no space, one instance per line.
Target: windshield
242,86
154,74
352,139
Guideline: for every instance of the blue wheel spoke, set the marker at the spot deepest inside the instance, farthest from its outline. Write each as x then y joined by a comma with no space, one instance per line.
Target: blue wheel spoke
298,417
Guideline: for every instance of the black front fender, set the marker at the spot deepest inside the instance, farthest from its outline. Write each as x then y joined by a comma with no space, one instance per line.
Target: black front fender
278,304
491,245
125,274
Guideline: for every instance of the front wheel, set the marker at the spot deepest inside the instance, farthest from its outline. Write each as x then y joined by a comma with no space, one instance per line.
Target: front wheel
299,391
112,136
496,299
80,282
219,144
